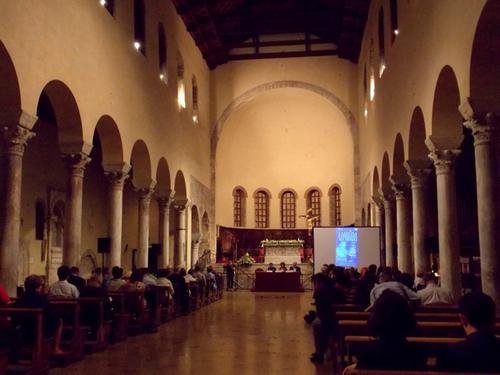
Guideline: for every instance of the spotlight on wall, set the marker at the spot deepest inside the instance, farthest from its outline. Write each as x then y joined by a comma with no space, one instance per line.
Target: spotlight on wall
396,32
103,3
137,45
162,77
366,111
195,118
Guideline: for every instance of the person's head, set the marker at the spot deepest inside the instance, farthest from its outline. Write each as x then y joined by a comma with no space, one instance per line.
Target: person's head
143,271
321,280
271,265
391,317
385,276
477,312
372,268
162,272
117,272
197,268
63,273
93,282
182,272
324,268
406,279
136,276
74,271
430,278
210,269
33,284
230,262
169,270
282,264
294,264
97,271
191,271
105,271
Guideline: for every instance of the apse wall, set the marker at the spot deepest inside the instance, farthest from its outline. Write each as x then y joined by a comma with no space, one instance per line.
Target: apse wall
285,138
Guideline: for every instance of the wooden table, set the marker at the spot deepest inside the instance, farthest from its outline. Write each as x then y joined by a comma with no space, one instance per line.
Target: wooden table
277,282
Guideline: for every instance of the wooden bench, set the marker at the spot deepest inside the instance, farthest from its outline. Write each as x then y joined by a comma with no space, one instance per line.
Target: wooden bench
120,319
153,308
97,324
349,371
166,304
135,306
73,336
419,316
34,355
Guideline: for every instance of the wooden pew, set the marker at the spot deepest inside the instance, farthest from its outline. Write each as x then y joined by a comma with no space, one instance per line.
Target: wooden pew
386,372
166,304
419,316
34,356
73,337
194,299
121,318
135,306
93,313
153,308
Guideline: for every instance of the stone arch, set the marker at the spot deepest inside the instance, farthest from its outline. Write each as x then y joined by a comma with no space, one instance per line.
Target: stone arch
269,195
162,177
398,159
386,173
248,95
88,263
205,223
10,94
375,182
416,141
180,186
334,186
312,188
243,190
195,221
111,142
485,60
67,116
446,120
285,190
141,165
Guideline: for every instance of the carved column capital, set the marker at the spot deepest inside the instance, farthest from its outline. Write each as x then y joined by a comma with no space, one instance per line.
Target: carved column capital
15,138
181,205
146,192
377,201
484,132
444,160
401,189
117,175
419,171
387,200
76,163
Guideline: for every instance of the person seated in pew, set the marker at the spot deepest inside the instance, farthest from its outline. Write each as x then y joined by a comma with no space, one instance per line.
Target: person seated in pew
271,268
434,294
62,288
148,278
89,314
188,277
135,282
366,283
325,295
282,267
199,275
480,351
419,282
392,320
33,298
387,282
164,281
75,279
211,277
117,282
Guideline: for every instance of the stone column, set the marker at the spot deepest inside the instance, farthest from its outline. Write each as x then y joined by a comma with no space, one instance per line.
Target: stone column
195,249
164,226
116,177
485,132
389,230
449,251
145,194
419,171
180,232
189,232
15,131
76,163
378,218
403,229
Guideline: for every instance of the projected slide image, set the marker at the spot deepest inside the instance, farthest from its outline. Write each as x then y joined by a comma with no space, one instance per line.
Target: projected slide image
346,247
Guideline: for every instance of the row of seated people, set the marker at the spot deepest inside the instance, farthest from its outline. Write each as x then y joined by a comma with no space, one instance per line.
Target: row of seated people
462,337
39,330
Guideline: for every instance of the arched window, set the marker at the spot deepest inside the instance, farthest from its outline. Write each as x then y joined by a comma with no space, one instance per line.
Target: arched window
381,41
195,99
369,215
162,54
394,20
239,206
314,206
181,90
288,209
261,209
335,214
140,26
109,5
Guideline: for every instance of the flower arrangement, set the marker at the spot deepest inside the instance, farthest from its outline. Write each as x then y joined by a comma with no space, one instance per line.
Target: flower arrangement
280,243
246,260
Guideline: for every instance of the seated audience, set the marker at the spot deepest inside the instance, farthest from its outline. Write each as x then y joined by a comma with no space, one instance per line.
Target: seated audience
295,268
386,282
365,286
93,289
105,277
419,282
282,267
211,277
148,278
63,288
480,352
271,268
163,280
33,298
189,278
434,294
116,283
135,282
391,322
198,274
97,272
90,313
75,279
325,294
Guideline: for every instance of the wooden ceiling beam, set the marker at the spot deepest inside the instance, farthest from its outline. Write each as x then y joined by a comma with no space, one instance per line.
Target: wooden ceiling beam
277,55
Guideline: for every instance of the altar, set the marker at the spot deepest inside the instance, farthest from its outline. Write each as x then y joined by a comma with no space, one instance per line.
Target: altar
277,251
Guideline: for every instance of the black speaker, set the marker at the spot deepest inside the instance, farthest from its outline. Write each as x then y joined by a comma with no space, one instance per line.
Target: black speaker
103,245
155,248
39,220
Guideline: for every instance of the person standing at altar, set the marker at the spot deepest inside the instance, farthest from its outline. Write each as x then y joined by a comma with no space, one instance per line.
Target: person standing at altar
229,267
271,268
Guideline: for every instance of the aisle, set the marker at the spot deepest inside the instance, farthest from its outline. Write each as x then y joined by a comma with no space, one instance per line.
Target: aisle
244,333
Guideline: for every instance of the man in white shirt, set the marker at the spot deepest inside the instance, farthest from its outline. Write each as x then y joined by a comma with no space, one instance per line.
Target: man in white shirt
386,281
434,294
62,288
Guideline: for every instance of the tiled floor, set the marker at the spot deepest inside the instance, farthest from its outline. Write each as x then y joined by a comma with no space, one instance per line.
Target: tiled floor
244,333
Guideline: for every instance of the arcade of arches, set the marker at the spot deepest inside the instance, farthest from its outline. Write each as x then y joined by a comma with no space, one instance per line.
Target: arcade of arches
145,146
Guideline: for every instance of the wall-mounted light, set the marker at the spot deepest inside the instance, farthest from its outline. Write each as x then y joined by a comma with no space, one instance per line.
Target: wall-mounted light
195,118
382,69
396,32
372,87
162,77
137,45
103,3
366,111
